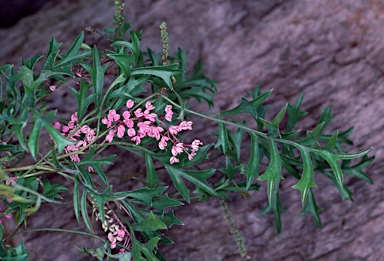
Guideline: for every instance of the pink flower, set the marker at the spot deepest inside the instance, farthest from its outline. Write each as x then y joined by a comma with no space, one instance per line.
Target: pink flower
139,113
129,123
85,129
11,182
113,116
143,128
106,122
131,132
121,233
120,131
75,158
195,145
110,136
130,104
150,116
66,129
136,139
52,87
126,115
112,239
71,125
191,155
168,113
74,117
174,129
81,143
57,125
77,133
90,136
173,160
149,106
186,125
154,132
163,142
177,149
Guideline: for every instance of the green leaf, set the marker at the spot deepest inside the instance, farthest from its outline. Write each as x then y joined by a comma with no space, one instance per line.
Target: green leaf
60,140
97,75
235,140
76,199
84,211
151,176
83,99
307,179
273,126
30,63
164,202
229,169
52,54
252,170
312,208
331,145
13,149
86,177
276,207
164,72
124,61
295,114
18,253
333,160
357,170
96,163
312,136
34,138
73,52
326,117
126,91
249,106
273,172
146,194
18,129
168,218
223,140
52,190
198,178
147,249
149,224
343,189
134,45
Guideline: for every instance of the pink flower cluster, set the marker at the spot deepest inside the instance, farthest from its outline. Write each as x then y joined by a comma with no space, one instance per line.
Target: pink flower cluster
141,124
3,205
115,235
117,232
3,208
84,135
5,152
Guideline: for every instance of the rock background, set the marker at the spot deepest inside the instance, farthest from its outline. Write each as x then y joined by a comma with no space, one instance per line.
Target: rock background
332,50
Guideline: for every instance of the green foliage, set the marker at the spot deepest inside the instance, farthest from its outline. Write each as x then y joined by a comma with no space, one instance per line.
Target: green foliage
9,253
245,156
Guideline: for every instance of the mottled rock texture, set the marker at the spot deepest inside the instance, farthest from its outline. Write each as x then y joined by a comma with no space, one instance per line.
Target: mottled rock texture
332,50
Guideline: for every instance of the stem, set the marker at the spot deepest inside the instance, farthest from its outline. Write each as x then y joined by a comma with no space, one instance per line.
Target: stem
29,167
55,230
249,130
261,134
